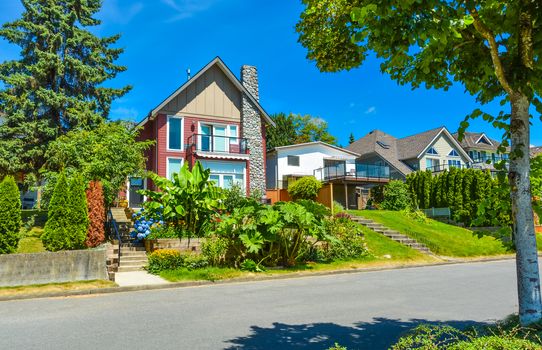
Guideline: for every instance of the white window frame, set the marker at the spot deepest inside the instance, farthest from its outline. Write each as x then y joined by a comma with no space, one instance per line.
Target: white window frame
432,148
453,156
167,165
182,133
235,139
212,125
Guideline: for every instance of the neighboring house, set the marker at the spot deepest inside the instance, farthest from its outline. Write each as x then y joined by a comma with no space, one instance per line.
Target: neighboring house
329,164
481,149
435,150
535,151
213,118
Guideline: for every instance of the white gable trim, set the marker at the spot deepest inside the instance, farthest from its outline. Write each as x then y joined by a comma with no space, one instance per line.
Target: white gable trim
453,141
483,136
217,61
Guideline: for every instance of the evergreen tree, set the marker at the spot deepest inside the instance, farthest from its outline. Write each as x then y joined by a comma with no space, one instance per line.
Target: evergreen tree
96,214
77,212
57,84
351,138
10,215
56,235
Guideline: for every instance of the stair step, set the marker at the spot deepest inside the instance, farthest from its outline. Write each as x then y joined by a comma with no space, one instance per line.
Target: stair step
130,268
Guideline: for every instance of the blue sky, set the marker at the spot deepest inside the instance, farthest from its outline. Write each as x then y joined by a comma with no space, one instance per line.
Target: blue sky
164,37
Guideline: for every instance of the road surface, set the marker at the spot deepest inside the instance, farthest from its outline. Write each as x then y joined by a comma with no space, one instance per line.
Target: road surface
359,310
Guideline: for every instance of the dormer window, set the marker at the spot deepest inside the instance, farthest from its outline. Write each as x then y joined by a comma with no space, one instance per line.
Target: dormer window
453,153
483,139
432,150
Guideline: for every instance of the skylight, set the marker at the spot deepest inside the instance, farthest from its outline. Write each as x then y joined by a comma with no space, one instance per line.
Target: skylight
383,145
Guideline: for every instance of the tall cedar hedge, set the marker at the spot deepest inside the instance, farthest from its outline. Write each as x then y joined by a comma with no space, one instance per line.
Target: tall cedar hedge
10,215
67,222
472,195
96,214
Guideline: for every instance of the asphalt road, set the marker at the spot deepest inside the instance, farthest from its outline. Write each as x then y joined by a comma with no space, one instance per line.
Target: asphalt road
359,310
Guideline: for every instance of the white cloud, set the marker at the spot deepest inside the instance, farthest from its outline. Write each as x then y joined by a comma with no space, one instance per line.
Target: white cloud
115,12
124,113
371,110
187,8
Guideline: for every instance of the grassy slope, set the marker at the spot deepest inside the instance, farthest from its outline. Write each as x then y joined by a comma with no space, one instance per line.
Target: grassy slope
30,241
441,238
55,287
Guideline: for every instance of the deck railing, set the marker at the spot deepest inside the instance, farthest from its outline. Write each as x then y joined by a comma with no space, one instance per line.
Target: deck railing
218,144
353,171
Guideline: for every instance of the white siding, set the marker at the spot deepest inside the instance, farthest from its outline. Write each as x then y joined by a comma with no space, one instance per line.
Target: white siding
311,157
443,146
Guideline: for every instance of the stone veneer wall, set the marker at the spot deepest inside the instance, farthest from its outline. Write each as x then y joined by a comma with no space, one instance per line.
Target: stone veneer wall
252,129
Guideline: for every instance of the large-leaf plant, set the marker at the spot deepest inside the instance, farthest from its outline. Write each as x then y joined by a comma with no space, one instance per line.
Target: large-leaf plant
188,202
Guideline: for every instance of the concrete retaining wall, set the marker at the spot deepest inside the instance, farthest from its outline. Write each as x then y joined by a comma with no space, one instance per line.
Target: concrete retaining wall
174,243
41,268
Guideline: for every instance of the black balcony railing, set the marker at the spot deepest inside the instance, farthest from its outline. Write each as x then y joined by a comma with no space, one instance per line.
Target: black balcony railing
352,171
218,144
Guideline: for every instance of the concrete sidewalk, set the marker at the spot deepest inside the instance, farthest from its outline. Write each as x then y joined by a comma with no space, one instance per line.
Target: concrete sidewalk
138,278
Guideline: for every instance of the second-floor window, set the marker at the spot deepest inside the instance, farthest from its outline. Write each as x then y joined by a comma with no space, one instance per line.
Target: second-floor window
174,133
293,160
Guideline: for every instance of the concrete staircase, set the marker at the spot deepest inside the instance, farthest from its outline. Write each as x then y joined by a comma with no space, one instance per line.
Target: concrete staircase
391,234
133,256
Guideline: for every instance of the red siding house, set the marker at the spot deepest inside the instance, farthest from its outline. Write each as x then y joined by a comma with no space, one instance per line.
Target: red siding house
214,118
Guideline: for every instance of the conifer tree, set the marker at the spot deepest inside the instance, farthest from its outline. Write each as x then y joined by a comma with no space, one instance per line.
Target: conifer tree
57,84
56,235
77,212
10,215
96,214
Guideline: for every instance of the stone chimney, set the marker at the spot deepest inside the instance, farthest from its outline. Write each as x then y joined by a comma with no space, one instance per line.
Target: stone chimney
251,124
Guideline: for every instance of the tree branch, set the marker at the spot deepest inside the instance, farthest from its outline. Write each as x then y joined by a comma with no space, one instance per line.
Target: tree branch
494,51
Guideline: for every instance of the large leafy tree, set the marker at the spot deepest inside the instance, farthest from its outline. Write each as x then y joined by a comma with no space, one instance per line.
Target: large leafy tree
492,47
57,83
109,154
294,128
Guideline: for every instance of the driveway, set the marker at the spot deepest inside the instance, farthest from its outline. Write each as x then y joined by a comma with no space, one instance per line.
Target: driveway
359,310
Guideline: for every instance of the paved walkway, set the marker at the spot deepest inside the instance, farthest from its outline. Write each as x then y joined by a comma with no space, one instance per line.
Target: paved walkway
137,278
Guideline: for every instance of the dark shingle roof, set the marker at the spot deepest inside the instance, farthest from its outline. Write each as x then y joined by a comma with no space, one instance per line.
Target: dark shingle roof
381,144
411,146
470,139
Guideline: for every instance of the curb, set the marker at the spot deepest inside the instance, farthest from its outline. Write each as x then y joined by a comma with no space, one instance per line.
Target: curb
111,290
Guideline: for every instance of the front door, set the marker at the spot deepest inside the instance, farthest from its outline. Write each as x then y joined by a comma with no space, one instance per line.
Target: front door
136,200
219,138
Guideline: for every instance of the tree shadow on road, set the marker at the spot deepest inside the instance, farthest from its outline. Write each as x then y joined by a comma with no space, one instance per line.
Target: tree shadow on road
379,334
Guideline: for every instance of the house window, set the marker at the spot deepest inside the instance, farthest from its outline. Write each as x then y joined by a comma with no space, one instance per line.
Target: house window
227,174
293,160
432,150
432,164
453,163
484,140
174,133
234,135
173,166
453,153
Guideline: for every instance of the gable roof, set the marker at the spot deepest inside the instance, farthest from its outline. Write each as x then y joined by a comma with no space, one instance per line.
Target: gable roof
306,144
398,150
229,74
375,142
470,141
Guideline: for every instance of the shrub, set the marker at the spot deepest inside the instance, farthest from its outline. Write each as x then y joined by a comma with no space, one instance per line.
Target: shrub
496,343
10,215
305,188
251,266
164,259
77,212
396,196
144,226
171,259
346,240
214,249
57,228
96,214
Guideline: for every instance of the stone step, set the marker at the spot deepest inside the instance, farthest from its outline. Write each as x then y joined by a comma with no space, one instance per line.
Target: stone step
130,268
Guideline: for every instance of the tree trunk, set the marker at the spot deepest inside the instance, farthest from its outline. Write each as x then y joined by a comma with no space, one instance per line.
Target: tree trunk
528,277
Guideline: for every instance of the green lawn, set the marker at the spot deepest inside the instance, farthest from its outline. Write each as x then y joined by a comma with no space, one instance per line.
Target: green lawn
55,287
440,238
30,241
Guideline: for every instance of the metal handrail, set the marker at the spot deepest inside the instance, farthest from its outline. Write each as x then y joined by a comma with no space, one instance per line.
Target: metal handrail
208,143
114,228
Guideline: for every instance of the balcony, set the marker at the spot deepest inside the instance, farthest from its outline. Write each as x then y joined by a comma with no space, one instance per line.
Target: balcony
353,172
214,144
